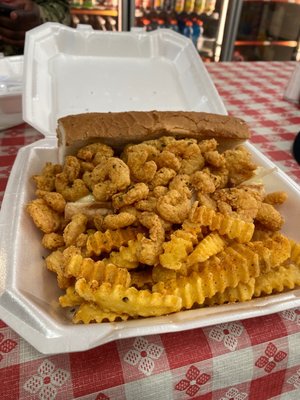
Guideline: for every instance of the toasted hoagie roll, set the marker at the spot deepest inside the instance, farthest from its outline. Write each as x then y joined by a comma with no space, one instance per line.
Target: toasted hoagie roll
120,128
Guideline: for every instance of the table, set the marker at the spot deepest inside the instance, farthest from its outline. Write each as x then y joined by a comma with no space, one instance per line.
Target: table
254,359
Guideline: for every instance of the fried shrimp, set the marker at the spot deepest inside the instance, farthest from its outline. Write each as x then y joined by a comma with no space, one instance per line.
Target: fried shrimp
161,143
68,182
163,176
95,152
269,217
275,198
140,160
149,204
149,249
134,193
131,210
109,177
167,159
239,164
182,183
71,168
188,151
55,201
75,227
52,241
152,222
245,201
118,221
70,191
173,206
203,181
159,191
46,180
207,145
214,158
46,219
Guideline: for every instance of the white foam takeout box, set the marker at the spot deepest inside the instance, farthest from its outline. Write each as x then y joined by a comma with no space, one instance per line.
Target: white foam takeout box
68,71
11,86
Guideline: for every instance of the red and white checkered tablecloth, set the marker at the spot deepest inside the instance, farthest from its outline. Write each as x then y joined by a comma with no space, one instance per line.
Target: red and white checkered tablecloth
254,92
255,359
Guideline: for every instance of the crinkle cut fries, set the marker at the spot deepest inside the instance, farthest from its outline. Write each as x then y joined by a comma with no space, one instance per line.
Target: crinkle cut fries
166,225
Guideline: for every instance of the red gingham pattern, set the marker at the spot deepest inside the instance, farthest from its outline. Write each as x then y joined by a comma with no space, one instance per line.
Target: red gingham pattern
253,359
254,92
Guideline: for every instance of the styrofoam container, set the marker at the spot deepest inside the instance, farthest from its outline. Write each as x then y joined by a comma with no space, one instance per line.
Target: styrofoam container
70,71
11,87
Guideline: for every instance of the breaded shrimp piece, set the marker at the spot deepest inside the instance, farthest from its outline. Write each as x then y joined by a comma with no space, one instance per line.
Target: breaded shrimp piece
239,164
275,198
163,176
140,160
269,217
214,158
118,221
203,181
174,206
131,195
46,219
75,227
242,200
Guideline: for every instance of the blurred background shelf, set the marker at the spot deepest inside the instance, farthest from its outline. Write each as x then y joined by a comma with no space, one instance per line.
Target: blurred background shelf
106,15
268,31
221,30
83,11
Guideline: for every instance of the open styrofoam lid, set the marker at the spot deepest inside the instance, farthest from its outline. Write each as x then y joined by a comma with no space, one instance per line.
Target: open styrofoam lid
70,71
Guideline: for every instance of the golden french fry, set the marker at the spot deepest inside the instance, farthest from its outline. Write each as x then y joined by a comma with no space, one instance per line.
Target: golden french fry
232,227
161,274
212,244
188,233
216,274
193,229
284,277
99,271
272,251
126,257
71,298
242,292
73,266
104,242
127,301
90,312
236,265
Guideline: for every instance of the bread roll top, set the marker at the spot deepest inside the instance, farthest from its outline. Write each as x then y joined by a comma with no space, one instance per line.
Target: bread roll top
120,128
